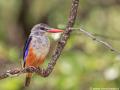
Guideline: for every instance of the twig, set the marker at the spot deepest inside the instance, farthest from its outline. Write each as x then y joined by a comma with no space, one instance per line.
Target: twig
90,35
60,46
112,38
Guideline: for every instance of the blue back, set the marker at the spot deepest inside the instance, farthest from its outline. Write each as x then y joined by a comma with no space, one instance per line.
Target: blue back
26,48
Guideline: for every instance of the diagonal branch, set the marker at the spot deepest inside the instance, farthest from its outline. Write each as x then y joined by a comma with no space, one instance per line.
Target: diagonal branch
92,36
63,40
60,46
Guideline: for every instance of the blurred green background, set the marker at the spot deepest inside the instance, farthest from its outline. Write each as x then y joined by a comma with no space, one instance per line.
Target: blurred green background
84,64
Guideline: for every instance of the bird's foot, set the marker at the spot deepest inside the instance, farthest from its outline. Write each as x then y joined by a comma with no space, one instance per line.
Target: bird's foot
30,68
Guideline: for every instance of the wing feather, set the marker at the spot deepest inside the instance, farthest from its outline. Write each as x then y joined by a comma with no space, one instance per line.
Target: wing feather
26,48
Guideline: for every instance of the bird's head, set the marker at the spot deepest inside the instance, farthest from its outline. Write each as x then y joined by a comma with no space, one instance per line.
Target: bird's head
42,29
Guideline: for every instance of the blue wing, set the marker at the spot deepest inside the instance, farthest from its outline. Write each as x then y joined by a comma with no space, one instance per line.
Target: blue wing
26,48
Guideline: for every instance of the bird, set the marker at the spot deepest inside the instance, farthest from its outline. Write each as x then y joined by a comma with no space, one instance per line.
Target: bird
37,47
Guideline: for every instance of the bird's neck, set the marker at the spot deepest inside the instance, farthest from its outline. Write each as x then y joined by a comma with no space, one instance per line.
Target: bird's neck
37,33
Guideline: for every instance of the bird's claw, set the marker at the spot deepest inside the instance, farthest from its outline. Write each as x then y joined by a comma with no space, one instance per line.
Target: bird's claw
30,68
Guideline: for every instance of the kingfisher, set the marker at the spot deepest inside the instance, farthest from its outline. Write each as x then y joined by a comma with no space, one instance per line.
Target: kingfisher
37,47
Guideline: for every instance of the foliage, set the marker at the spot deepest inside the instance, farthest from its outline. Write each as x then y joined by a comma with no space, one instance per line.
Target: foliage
84,64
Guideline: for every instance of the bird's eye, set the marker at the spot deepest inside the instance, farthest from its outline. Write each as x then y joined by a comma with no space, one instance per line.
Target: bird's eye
42,28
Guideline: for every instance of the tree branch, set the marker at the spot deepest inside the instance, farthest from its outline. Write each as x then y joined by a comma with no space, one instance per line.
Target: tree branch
63,40
60,46
92,36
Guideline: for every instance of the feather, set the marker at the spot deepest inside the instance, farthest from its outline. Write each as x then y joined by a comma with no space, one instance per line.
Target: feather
26,48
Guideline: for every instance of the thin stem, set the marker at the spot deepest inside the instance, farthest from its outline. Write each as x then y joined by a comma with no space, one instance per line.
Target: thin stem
90,35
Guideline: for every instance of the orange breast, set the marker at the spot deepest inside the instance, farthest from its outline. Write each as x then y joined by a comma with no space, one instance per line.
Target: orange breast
33,60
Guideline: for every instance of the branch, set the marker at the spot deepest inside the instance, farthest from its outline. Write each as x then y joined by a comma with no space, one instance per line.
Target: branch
63,40
90,35
101,36
60,46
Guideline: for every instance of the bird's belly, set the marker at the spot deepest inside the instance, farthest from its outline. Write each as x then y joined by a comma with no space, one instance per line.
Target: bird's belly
41,47
33,59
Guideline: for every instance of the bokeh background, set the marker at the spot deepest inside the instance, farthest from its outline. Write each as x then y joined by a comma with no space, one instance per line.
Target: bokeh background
84,64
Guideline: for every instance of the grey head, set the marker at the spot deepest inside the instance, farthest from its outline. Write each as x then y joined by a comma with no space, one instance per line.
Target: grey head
39,29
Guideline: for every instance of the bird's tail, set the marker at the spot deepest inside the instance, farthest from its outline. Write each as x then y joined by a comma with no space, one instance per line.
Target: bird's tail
28,79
